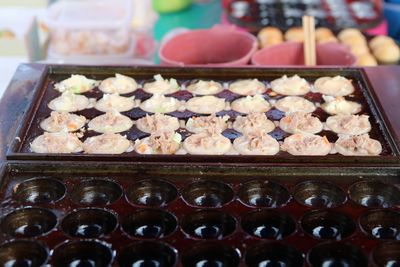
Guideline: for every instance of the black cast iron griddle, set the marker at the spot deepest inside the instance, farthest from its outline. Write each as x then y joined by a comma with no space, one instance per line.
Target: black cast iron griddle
44,92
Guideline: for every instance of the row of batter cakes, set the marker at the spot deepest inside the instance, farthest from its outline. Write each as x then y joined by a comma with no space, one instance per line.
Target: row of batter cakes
206,135
292,85
69,102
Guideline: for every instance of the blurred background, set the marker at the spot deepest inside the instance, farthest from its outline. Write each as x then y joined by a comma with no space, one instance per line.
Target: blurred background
131,32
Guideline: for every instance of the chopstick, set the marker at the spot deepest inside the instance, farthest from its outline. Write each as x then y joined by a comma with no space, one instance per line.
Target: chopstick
310,56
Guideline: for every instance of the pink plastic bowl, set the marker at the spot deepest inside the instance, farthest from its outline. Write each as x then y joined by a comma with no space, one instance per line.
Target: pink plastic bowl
291,53
219,46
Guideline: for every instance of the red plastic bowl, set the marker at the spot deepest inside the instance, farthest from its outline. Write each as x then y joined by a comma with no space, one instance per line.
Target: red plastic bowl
219,46
291,53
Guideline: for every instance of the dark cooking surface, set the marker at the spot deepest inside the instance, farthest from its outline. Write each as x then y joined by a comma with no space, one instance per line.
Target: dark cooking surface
335,14
372,185
167,218
362,95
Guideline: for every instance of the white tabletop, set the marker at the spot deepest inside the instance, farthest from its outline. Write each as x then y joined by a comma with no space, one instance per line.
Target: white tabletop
8,66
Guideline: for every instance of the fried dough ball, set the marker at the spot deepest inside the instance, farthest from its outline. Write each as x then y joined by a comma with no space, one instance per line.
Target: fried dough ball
366,60
295,34
270,36
388,54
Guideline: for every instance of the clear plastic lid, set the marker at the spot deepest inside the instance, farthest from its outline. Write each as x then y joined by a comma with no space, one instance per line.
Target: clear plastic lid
89,14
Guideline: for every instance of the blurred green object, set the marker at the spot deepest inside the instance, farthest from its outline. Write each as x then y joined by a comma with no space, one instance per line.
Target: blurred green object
197,16
170,6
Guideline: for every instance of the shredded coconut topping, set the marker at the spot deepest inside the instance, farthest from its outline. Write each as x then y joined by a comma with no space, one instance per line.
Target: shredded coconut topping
211,124
361,145
253,122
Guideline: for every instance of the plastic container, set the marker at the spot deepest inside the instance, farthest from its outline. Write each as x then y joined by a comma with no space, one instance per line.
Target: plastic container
219,46
90,27
143,19
292,53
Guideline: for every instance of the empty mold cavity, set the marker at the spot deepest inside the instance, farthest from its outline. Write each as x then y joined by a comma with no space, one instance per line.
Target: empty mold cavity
39,191
23,253
261,193
210,194
89,223
28,222
318,194
374,194
268,224
328,225
82,253
381,224
210,254
149,223
148,253
96,192
151,193
208,224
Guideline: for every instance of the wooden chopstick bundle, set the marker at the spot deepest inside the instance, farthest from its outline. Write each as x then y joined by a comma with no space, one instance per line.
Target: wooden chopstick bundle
310,56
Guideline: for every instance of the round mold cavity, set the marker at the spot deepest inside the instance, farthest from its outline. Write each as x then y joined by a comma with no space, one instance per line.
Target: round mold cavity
96,192
39,191
327,224
381,224
268,224
148,253
387,254
374,194
208,224
273,254
151,193
337,254
83,253
149,223
89,223
263,194
28,222
210,254
208,194
23,253
319,194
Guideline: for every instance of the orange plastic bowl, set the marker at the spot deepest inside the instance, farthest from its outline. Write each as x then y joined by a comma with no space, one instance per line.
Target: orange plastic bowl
291,53
219,46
